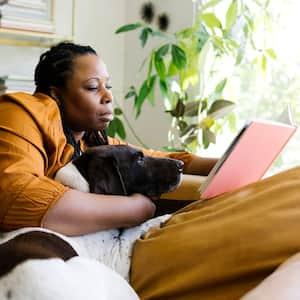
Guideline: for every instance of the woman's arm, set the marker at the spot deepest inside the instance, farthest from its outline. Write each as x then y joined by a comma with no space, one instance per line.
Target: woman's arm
77,212
200,165
193,164
30,149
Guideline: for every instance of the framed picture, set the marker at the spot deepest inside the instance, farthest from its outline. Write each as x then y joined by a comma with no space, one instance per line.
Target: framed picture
29,15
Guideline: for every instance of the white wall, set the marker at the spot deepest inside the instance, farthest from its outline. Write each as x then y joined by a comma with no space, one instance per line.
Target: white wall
153,124
96,22
18,60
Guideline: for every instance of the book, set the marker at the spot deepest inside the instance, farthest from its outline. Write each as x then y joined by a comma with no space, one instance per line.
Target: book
11,83
250,155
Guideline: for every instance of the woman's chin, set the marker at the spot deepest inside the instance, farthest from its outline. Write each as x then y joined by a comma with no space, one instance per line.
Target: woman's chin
103,125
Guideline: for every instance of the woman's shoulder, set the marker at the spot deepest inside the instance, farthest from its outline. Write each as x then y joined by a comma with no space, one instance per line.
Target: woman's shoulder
27,100
38,105
38,108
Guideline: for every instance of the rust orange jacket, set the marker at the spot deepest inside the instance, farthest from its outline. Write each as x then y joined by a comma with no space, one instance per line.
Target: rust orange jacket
32,148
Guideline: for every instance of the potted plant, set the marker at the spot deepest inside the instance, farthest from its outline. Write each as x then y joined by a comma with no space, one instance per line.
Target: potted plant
191,88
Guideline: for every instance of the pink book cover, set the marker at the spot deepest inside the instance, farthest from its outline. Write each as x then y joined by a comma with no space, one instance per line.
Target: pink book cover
248,157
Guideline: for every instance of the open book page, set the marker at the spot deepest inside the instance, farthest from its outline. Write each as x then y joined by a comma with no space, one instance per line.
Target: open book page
249,155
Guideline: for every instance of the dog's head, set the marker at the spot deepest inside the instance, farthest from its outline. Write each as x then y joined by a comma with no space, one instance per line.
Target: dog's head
123,170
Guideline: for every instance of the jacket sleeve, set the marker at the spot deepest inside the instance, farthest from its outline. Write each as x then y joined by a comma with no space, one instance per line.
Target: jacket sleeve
26,193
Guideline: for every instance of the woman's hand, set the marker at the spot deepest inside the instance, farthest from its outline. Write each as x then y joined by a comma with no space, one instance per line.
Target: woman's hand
141,208
78,213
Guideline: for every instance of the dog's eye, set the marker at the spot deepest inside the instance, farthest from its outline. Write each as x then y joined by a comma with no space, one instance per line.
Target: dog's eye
140,159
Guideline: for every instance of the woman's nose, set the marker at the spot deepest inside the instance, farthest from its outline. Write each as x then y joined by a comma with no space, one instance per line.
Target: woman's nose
107,96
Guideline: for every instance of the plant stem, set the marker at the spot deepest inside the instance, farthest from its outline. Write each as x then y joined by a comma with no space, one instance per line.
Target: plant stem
134,133
131,128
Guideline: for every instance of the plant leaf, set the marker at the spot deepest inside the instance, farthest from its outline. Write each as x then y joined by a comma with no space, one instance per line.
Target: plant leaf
120,130
118,111
208,137
188,130
151,59
211,21
164,89
203,104
111,129
144,35
206,123
178,111
151,84
271,53
173,70
231,14
131,92
220,86
142,95
162,51
160,66
185,33
190,139
220,108
209,4
178,57
240,55
203,37
182,125
192,108
128,27
264,63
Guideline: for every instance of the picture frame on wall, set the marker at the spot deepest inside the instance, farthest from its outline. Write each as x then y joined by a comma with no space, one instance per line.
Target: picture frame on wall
28,15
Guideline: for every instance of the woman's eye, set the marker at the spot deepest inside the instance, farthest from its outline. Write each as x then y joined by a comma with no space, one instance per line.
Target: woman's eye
108,87
92,88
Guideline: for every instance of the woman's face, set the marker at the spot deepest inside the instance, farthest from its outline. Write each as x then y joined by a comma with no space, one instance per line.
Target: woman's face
87,99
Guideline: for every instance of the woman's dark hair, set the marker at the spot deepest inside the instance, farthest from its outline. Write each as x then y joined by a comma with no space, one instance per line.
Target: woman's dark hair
56,65
53,70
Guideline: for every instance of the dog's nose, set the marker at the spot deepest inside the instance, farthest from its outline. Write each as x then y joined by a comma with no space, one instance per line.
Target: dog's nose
180,165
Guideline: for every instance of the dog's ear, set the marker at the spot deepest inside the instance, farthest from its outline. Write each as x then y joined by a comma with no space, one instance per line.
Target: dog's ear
99,166
83,162
104,177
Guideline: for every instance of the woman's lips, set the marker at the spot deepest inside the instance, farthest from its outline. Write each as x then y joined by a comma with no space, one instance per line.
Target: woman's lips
107,117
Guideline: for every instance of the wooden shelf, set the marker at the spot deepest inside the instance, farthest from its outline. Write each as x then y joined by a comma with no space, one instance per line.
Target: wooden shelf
20,37
30,38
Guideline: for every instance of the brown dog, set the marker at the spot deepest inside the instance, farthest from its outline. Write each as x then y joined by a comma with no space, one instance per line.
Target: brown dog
124,170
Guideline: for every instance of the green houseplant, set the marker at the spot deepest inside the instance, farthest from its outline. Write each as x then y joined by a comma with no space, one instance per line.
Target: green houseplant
178,66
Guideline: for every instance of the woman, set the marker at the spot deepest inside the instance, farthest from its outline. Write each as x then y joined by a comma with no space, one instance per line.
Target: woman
217,249
41,132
